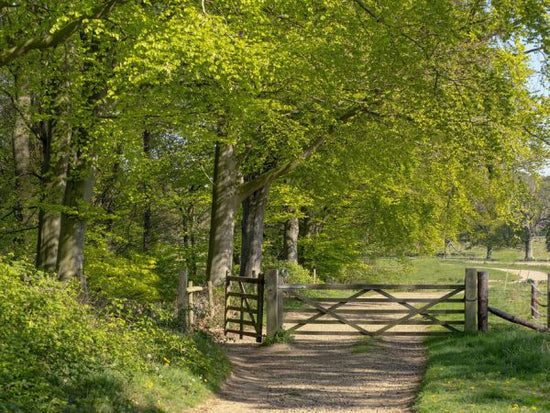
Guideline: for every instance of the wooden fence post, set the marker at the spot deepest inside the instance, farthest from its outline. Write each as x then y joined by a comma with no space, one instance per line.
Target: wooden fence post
534,299
182,304
211,297
482,301
260,313
548,301
274,313
227,302
470,298
191,307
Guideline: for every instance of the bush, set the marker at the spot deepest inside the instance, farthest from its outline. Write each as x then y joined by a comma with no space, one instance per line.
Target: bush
294,273
134,277
58,355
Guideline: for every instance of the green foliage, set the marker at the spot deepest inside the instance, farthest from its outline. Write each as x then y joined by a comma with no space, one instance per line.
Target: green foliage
113,275
57,354
294,273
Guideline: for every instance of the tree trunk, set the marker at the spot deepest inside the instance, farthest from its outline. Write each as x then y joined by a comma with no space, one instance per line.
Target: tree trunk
528,244
147,227
253,232
78,194
53,182
222,219
189,240
292,229
22,159
489,254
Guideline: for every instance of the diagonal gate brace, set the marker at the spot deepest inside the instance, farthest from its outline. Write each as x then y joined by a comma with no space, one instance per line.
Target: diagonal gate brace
329,311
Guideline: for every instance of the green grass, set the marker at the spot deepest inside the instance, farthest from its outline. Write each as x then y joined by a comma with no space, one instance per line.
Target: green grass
505,370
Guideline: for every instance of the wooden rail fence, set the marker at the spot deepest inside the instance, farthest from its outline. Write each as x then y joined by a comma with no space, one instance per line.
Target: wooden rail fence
540,310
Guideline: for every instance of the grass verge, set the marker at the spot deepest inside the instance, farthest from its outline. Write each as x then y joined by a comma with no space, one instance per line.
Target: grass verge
504,370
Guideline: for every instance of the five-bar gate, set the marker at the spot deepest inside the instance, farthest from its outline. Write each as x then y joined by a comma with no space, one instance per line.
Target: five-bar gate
244,303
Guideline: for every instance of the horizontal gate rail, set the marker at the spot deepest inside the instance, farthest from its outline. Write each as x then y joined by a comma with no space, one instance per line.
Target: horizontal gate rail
385,300
376,311
286,287
248,280
386,333
375,322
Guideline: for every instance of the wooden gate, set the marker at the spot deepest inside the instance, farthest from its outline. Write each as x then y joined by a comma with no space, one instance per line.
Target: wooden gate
371,309
244,303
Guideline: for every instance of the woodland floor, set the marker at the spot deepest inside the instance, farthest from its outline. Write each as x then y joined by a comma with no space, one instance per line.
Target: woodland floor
323,374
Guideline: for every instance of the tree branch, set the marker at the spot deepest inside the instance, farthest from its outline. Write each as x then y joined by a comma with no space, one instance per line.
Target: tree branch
248,188
59,36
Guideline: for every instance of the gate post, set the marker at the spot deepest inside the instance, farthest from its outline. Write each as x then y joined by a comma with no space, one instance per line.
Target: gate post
470,298
482,301
274,307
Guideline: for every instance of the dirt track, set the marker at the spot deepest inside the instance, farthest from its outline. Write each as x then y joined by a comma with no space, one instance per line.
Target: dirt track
525,274
322,374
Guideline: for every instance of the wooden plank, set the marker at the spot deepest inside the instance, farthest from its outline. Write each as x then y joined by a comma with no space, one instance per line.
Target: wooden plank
248,280
413,309
416,333
470,305
358,333
248,306
191,301
331,313
292,287
419,311
260,314
514,319
384,300
235,308
375,311
273,311
195,289
482,301
243,295
239,321
333,307
375,322
226,304
244,332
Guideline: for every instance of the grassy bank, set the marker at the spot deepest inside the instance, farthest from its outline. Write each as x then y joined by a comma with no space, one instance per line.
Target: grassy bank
505,370
57,355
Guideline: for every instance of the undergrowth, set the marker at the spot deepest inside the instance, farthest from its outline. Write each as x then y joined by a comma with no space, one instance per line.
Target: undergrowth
59,355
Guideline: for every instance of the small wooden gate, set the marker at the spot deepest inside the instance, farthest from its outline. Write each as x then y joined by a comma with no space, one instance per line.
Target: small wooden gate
244,302
371,309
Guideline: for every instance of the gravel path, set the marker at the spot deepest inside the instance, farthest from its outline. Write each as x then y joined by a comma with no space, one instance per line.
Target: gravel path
525,274
322,374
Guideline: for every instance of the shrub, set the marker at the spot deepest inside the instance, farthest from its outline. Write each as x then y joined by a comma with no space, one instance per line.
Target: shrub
59,355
